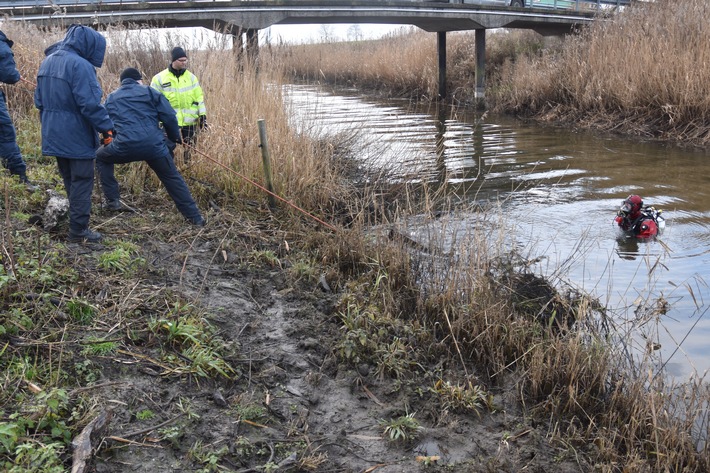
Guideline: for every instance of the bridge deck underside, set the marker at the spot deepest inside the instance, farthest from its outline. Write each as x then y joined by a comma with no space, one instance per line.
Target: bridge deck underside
230,16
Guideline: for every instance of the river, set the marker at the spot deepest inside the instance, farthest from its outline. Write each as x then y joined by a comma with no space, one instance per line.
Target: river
560,189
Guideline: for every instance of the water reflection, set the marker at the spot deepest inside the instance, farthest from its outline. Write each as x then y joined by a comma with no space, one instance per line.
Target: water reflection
561,190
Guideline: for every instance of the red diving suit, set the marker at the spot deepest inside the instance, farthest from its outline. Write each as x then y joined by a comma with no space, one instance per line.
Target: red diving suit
640,221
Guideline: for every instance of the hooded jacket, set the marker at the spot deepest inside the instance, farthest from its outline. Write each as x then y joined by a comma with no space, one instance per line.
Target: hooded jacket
68,96
8,69
8,75
137,112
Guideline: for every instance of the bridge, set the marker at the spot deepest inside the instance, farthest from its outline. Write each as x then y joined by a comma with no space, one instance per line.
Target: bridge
238,18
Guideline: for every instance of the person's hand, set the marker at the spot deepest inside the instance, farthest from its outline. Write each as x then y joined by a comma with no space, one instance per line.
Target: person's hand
178,141
203,122
106,137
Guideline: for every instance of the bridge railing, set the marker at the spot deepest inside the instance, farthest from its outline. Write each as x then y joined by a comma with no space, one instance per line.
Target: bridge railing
554,4
577,5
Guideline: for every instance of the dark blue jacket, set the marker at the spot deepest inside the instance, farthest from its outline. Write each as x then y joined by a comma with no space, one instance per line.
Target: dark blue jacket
68,96
137,111
8,69
9,75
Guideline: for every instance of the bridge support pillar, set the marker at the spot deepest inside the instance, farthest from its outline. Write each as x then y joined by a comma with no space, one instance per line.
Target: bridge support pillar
252,44
480,67
238,42
441,54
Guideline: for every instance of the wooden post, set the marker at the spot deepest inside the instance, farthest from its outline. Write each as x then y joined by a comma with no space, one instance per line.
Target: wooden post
441,51
264,145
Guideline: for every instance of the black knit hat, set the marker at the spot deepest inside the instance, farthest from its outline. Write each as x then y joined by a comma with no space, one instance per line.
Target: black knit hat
131,73
177,53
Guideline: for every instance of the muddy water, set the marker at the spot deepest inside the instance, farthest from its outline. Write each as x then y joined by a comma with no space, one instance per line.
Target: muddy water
560,190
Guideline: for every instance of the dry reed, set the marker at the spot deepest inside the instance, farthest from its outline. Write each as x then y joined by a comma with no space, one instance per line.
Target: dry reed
642,72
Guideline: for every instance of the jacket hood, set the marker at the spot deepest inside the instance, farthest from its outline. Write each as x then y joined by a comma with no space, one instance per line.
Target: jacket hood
51,48
87,43
6,39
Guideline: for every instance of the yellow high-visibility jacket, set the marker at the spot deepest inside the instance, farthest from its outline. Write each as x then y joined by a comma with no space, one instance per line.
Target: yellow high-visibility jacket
184,94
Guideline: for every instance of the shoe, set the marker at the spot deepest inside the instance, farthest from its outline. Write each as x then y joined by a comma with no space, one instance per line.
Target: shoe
85,236
199,222
115,206
29,185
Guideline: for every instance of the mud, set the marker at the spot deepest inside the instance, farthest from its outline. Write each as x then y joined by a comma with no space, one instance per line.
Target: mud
313,412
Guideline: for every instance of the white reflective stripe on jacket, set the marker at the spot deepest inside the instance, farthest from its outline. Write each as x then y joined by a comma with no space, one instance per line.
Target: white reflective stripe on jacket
184,94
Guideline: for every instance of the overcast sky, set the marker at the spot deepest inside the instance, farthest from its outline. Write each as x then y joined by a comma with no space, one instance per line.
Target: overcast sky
316,32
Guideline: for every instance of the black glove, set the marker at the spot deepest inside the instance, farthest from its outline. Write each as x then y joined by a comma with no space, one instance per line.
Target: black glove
203,122
106,137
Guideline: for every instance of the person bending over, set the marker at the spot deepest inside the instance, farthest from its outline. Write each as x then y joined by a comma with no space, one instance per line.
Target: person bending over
137,111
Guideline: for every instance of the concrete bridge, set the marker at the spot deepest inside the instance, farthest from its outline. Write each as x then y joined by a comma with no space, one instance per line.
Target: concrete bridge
246,18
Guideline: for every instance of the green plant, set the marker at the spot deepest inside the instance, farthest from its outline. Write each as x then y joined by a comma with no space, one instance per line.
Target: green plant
265,256
44,432
122,259
145,414
251,412
87,371
10,432
209,458
80,311
178,332
403,428
465,397
303,270
393,359
100,348
33,457
243,447
206,362
172,434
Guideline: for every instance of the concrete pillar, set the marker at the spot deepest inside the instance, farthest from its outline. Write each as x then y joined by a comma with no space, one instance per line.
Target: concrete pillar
480,66
441,53
238,42
252,44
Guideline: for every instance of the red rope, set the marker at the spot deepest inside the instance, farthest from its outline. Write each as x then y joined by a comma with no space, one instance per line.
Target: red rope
327,225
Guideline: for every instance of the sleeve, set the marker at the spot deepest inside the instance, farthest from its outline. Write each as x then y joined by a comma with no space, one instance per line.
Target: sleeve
155,83
167,115
8,69
87,94
38,100
199,98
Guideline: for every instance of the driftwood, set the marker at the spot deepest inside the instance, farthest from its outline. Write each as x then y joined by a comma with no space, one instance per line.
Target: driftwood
82,443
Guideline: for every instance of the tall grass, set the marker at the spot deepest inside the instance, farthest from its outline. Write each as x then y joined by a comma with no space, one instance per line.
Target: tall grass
237,96
643,72
404,63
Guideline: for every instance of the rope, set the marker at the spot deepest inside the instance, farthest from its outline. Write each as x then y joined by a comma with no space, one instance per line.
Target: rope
192,148
327,225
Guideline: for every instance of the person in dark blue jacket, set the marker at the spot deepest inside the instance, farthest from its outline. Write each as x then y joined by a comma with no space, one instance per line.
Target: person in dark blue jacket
68,96
137,111
9,151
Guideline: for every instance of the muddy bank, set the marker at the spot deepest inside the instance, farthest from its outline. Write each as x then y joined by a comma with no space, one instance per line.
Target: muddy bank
292,402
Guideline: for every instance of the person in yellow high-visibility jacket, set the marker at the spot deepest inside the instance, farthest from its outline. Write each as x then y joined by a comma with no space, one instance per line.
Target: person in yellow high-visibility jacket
182,89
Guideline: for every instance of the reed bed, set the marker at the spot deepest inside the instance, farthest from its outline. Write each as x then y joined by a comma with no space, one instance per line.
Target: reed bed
403,63
642,73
